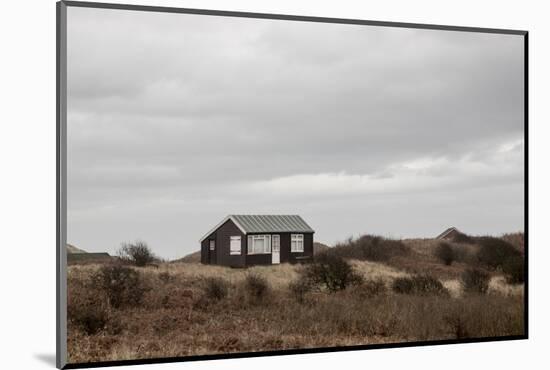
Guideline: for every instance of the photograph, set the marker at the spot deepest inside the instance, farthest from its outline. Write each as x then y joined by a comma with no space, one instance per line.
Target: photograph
247,184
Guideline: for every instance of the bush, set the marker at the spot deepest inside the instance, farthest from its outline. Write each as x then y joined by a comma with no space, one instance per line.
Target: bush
256,286
299,288
477,316
457,324
403,285
165,277
91,318
419,285
86,309
475,281
376,248
493,252
445,253
122,285
516,239
513,268
371,248
332,272
138,253
459,237
370,288
215,288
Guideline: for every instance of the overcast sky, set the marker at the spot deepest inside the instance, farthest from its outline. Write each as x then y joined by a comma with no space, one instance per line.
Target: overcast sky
175,121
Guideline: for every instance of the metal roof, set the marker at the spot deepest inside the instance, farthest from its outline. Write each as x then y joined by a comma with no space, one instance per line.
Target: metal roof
265,224
271,223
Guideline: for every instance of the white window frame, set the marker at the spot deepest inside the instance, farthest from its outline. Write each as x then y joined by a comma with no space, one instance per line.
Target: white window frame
255,249
233,249
297,243
212,245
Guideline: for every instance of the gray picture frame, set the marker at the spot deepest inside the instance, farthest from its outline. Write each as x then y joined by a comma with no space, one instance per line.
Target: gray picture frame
61,188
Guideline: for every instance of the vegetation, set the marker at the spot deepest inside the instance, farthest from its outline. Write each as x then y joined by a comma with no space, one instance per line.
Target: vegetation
87,312
138,253
351,294
256,287
493,252
463,238
121,285
516,239
216,288
169,322
371,248
475,281
419,285
332,272
513,268
370,288
445,253
299,288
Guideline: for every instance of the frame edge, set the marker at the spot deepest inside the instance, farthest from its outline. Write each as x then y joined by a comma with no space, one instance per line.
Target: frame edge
61,176
288,17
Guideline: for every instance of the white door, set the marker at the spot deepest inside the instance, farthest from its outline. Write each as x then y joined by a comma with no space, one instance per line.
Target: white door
276,250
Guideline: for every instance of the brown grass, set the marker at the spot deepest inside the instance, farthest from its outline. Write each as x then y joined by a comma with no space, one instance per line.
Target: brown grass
177,318
516,239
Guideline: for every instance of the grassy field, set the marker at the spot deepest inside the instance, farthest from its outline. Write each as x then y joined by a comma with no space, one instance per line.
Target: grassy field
180,309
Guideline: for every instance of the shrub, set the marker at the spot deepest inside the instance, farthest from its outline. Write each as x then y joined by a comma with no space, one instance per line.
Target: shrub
91,318
332,272
85,308
403,285
138,253
513,268
493,252
475,281
457,323
476,316
516,239
371,248
459,237
370,288
256,287
165,277
122,285
464,254
215,288
419,285
299,288
376,248
445,253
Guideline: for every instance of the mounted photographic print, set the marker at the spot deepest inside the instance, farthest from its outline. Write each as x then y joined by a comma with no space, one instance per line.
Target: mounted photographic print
238,184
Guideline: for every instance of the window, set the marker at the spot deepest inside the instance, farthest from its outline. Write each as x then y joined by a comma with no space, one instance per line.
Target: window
297,242
235,245
259,244
212,245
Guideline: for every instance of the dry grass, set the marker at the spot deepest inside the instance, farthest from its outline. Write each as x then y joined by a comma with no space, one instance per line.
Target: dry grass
375,270
279,275
454,287
499,286
176,318
423,258
423,247
516,239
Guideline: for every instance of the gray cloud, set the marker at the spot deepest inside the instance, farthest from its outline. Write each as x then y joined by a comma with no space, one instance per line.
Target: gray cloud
176,120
